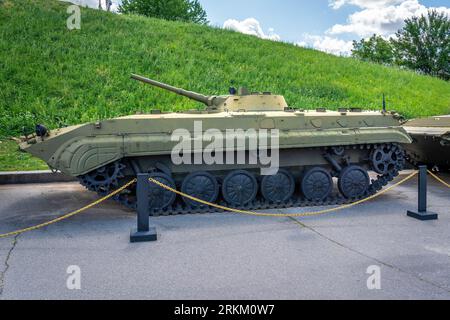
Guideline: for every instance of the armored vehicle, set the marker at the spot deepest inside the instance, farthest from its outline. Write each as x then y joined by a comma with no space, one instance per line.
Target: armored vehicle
431,142
324,157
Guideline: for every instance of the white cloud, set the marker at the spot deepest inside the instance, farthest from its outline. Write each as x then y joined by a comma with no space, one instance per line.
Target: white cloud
252,27
383,17
327,44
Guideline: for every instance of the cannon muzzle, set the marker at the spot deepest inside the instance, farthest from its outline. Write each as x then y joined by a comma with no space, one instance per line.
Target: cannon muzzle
207,100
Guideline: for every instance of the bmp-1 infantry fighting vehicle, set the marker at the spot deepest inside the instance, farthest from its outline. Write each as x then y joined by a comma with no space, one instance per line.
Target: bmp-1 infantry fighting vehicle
431,142
325,157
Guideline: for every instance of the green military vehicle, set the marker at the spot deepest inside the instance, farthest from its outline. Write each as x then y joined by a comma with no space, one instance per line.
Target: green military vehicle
431,142
324,157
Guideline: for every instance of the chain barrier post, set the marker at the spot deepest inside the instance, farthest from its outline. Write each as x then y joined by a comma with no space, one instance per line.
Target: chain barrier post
143,233
423,214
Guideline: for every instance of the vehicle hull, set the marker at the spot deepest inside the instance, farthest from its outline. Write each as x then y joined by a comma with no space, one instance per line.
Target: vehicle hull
82,149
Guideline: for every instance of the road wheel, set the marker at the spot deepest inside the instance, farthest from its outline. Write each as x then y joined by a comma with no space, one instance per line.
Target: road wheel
278,188
200,185
317,184
353,182
239,188
159,198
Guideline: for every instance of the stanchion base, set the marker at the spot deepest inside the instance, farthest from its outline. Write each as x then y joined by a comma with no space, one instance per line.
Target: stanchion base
149,236
423,216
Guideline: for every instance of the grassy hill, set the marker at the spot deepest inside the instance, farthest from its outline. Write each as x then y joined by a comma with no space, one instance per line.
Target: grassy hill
51,75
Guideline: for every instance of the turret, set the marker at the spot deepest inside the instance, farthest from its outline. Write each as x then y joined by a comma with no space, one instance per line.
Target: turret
242,102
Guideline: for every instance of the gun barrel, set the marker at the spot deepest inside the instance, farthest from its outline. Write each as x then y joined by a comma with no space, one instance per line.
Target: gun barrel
189,94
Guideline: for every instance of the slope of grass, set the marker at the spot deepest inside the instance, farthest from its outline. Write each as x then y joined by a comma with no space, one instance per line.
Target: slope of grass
11,159
51,75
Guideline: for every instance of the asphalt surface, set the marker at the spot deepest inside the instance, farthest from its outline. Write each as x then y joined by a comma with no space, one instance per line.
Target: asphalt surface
223,256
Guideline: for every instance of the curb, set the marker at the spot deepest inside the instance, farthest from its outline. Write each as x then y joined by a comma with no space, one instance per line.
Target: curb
23,177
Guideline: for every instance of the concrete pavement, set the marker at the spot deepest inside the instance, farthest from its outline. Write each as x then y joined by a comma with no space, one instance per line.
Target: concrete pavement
223,256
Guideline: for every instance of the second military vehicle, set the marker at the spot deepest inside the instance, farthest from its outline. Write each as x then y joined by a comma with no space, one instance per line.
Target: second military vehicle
431,142
325,157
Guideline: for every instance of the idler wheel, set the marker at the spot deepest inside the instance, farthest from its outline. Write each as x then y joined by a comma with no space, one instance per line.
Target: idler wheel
160,198
278,188
353,182
317,184
386,159
239,188
200,185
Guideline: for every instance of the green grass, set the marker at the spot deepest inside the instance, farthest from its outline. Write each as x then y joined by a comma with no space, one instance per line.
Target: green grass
54,76
11,159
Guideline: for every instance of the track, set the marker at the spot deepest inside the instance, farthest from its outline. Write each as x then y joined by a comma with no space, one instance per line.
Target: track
297,200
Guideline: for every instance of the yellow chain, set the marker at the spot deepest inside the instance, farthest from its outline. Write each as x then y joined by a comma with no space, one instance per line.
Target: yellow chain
64,217
439,179
305,214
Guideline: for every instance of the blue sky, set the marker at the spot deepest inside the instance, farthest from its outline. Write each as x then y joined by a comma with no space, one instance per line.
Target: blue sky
327,25
289,18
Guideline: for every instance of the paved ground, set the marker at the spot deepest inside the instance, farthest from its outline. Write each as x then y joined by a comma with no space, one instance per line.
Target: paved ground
223,256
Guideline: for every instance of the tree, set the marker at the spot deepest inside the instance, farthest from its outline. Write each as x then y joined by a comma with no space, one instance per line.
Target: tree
196,13
375,49
424,44
181,10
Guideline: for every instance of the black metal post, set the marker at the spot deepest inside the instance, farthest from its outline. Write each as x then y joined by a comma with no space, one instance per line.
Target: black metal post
143,233
422,213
